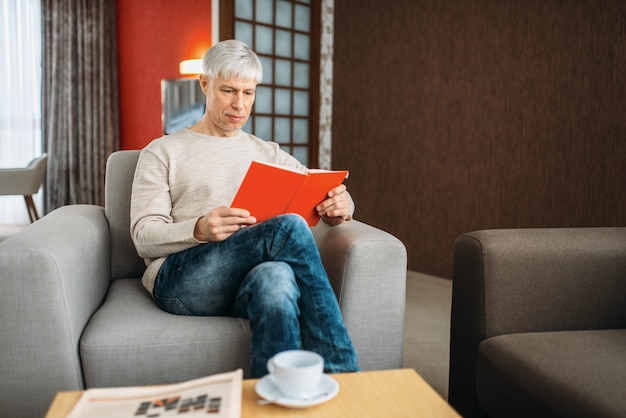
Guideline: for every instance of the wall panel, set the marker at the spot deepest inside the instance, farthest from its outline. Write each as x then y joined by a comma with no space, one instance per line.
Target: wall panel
462,115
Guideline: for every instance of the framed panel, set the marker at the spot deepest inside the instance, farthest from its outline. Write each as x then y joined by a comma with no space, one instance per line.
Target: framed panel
285,34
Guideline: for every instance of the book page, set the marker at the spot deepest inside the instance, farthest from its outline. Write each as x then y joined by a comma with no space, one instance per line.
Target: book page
218,396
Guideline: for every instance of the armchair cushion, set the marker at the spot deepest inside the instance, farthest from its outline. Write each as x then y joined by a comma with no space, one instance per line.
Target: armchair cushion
130,341
120,170
553,374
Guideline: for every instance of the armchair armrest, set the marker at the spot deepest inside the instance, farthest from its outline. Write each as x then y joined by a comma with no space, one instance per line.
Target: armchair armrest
367,269
531,280
54,275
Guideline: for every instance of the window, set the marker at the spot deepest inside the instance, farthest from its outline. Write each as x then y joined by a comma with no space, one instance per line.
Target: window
20,101
285,34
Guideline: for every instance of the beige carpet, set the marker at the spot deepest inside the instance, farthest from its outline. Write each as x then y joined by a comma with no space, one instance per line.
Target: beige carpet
427,328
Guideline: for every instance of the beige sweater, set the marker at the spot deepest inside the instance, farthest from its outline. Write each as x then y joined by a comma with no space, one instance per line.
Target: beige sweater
180,177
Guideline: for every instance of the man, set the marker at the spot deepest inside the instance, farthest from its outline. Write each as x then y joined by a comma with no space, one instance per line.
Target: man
205,258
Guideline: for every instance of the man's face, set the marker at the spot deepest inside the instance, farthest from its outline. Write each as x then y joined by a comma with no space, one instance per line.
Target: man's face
228,104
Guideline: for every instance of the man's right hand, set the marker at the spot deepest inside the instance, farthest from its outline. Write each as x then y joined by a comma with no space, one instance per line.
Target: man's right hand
220,223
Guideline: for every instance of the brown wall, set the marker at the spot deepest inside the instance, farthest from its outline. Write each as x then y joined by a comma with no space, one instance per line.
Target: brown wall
460,115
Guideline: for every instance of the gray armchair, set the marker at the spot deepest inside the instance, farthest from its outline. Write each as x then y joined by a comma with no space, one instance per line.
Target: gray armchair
539,323
75,315
25,181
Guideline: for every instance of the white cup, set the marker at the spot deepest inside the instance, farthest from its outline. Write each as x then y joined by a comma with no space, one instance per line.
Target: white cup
296,373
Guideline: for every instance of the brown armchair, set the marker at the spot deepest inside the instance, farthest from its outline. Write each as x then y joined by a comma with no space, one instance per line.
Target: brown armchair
539,323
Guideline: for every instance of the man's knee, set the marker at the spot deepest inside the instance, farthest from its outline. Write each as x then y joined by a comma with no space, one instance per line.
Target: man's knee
292,222
275,283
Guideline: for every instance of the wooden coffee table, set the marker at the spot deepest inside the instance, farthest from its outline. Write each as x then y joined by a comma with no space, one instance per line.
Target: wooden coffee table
384,393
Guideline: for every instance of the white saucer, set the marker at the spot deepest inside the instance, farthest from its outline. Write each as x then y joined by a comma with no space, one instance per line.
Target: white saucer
327,389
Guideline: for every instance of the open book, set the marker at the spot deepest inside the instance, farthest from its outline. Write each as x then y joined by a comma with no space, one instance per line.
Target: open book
269,190
218,396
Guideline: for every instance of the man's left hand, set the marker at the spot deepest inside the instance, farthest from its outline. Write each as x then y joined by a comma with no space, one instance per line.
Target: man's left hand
335,209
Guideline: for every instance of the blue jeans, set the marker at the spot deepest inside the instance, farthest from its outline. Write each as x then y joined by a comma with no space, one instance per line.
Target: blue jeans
270,273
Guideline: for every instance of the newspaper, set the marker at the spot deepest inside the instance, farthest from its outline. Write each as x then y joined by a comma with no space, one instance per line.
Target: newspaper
217,396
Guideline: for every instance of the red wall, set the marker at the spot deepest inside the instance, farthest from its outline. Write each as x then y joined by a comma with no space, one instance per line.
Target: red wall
153,37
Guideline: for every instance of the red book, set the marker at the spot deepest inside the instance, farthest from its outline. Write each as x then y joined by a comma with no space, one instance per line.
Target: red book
269,190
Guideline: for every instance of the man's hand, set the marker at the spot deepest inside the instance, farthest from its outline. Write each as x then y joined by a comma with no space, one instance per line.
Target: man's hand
220,223
336,208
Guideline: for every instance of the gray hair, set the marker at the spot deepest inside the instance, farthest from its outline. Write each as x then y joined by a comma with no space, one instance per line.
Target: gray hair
232,59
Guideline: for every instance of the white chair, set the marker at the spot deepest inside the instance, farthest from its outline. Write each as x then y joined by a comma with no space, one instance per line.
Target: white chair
24,181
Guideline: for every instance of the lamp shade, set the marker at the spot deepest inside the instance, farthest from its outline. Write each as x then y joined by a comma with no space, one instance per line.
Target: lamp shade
190,66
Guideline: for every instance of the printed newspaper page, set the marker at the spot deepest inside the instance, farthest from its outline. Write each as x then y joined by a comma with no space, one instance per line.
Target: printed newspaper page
217,396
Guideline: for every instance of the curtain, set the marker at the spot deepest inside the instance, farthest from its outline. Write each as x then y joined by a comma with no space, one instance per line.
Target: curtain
79,97
20,96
